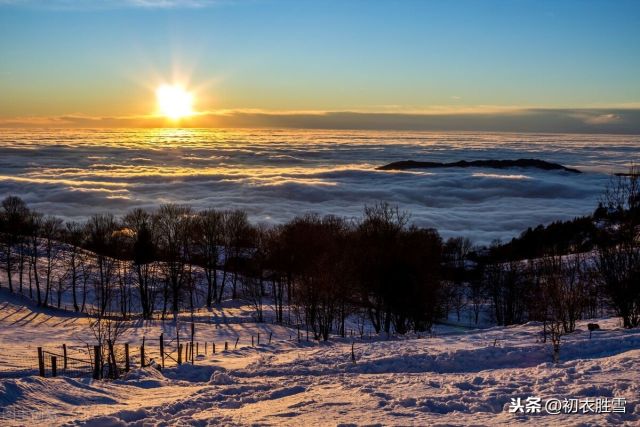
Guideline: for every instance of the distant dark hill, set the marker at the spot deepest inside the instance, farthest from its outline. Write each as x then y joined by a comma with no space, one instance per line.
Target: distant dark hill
495,164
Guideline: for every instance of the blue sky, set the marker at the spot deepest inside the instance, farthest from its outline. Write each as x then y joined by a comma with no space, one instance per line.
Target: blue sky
104,58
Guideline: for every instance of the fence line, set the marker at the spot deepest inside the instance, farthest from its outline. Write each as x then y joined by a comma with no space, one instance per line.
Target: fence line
83,360
102,362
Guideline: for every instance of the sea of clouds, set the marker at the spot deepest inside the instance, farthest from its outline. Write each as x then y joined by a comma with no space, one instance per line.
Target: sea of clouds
276,175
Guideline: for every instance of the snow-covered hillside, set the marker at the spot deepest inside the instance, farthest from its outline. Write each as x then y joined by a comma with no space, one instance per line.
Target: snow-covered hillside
456,377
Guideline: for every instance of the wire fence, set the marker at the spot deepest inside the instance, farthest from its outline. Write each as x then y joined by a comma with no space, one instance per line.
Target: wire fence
82,360
166,350
112,361
17,364
57,364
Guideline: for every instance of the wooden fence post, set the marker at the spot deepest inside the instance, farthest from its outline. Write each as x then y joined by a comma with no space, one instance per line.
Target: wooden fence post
258,338
193,334
251,340
97,362
89,353
205,348
64,355
113,364
270,335
162,350
54,366
126,357
142,361
236,346
226,346
41,361
197,349
179,354
178,342
213,344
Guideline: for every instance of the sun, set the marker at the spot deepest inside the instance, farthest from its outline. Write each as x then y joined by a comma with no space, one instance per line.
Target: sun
174,101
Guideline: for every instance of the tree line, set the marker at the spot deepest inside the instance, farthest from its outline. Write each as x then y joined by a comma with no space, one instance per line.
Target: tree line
319,270
581,266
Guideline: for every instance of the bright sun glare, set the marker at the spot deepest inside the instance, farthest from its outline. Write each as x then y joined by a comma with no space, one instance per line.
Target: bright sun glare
174,101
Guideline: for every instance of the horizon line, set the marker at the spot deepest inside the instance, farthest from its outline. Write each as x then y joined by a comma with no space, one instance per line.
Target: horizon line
598,120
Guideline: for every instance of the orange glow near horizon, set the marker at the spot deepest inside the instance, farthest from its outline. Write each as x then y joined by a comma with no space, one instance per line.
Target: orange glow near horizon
174,102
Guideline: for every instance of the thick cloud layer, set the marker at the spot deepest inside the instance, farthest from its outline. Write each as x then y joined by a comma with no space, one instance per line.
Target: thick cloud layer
276,175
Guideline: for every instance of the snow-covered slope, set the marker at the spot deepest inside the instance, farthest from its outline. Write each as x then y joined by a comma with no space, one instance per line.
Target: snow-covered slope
453,378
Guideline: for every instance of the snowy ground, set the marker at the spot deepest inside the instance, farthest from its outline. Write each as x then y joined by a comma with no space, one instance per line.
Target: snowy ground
457,377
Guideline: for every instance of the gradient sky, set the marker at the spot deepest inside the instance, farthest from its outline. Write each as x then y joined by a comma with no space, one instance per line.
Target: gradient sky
105,58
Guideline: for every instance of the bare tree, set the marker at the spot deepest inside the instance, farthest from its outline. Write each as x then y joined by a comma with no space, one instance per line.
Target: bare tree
507,288
172,223
555,331
253,274
75,237
237,234
107,330
377,234
100,232
477,297
51,234
35,227
144,252
209,228
14,214
86,272
456,251
563,289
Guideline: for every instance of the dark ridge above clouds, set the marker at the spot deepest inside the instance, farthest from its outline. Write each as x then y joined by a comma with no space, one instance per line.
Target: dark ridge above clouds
494,164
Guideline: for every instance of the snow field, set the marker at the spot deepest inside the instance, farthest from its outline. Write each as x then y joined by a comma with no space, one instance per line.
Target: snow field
452,378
